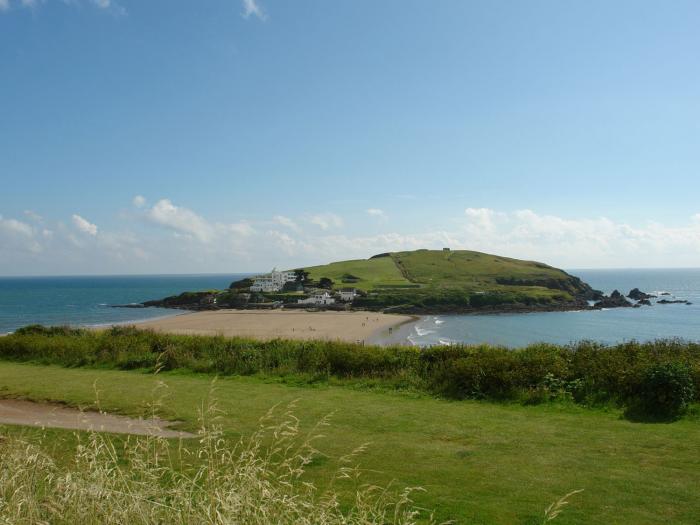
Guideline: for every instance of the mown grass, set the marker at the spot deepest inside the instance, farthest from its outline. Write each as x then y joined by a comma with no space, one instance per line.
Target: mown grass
218,480
483,463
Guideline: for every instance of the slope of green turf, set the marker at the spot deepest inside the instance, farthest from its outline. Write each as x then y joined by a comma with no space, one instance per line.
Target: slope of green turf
479,462
369,273
462,268
420,273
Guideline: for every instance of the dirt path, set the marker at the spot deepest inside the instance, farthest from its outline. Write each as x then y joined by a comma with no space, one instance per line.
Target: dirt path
17,412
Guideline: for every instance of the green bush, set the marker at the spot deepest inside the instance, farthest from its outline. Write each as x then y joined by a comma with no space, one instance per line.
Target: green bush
664,392
652,378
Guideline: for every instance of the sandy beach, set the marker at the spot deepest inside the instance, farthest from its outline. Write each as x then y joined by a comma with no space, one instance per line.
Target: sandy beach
272,324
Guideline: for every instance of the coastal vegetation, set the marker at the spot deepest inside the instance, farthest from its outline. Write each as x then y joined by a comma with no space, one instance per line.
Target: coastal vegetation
655,380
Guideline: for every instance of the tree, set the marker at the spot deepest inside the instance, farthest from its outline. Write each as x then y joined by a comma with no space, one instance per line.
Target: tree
325,282
243,283
301,275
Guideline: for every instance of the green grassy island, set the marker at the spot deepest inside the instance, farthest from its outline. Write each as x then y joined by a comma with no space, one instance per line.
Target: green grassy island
420,281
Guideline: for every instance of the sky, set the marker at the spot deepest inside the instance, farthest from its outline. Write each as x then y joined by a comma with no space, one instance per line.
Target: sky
172,136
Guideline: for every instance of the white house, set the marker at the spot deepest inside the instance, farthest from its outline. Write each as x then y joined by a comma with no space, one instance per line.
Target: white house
319,298
347,294
272,282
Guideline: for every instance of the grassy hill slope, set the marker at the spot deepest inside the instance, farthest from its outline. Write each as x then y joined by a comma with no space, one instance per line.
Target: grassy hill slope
364,274
453,279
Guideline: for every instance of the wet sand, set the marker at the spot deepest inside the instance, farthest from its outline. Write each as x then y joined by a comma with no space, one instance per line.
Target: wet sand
282,324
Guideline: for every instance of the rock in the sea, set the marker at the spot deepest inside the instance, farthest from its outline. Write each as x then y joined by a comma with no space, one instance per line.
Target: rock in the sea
639,295
616,300
645,302
673,301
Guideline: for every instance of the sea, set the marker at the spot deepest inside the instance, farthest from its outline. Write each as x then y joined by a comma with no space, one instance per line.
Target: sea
608,326
88,301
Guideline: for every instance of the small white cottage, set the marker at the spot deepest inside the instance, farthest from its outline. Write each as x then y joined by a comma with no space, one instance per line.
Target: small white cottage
318,298
347,294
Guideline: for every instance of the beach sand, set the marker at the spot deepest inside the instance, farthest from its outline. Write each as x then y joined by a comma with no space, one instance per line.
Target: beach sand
285,324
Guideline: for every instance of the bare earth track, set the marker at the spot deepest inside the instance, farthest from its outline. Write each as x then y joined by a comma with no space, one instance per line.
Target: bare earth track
19,412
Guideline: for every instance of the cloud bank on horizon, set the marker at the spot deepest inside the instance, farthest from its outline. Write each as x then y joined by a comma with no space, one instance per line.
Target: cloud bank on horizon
165,237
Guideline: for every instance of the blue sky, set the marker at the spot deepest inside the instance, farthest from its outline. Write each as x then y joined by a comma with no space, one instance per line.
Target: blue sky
230,135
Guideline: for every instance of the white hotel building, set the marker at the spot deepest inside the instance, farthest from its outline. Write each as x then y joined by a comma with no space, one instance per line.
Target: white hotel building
272,282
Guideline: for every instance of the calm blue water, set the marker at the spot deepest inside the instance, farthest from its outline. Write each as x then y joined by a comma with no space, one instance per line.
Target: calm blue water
85,300
607,326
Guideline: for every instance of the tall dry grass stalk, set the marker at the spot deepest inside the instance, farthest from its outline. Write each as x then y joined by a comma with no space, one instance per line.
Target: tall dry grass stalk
146,480
556,508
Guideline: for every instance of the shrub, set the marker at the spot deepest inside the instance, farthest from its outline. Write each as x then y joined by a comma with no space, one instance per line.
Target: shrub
589,373
664,392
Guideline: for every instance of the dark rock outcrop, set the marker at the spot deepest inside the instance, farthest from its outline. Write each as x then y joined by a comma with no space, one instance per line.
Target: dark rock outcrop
187,301
243,284
638,295
644,302
615,300
673,301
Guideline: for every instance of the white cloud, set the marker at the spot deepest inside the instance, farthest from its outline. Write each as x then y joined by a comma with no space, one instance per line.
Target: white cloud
208,246
139,201
481,217
16,227
240,228
251,7
84,225
283,241
375,212
106,5
17,236
180,220
326,221
33,215
594,242
286,222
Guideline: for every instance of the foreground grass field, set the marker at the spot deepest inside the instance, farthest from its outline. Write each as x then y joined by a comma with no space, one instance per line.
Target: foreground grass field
479,462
